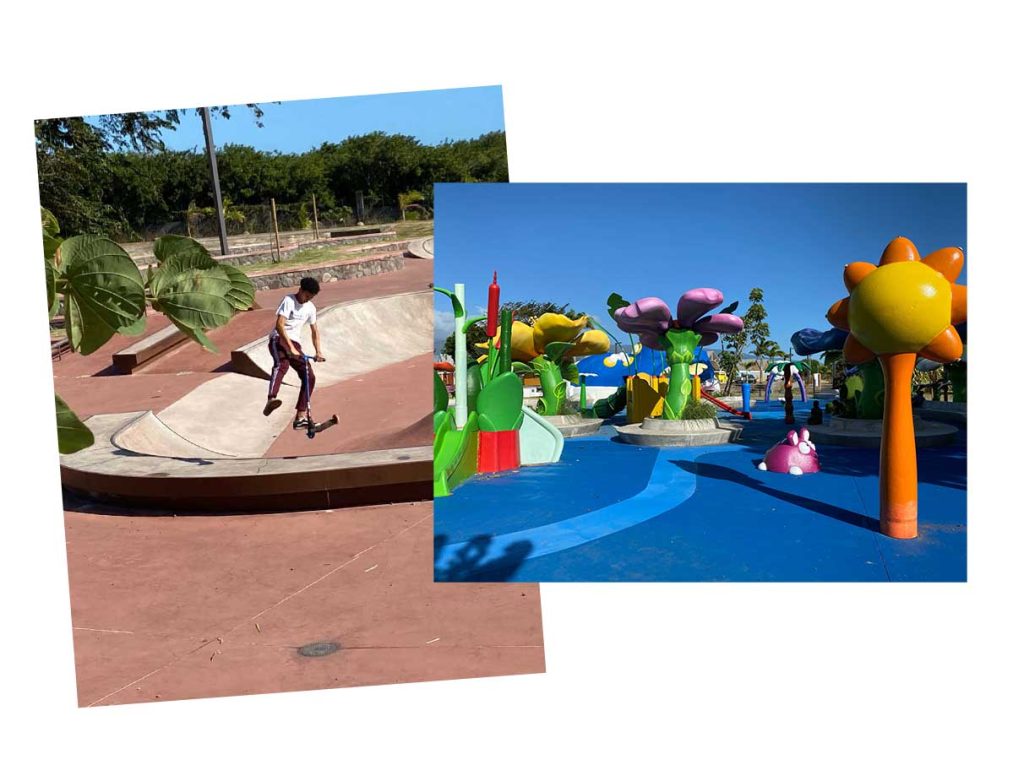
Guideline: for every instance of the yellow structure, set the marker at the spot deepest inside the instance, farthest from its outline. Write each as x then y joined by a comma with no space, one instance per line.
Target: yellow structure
645,396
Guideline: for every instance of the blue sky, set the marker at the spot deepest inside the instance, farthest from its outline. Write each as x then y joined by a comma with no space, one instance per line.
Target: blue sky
432,116
576,243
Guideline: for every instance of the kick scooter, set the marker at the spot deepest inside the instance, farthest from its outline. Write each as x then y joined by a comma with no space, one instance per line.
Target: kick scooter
312,428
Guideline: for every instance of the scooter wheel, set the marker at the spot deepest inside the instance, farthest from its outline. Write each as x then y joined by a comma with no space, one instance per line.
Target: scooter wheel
310,433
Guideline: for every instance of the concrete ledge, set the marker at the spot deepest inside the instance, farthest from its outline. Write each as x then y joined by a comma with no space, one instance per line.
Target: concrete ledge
867,434
572,425
134,356
109,473
943,411
661,432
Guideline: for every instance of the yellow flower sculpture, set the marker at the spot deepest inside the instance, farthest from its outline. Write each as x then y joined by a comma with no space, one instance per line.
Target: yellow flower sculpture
904,307
549,347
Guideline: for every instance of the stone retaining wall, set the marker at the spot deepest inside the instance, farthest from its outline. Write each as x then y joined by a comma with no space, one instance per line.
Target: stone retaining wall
324,273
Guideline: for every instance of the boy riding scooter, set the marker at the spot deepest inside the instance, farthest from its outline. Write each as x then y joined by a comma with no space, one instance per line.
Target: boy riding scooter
293,314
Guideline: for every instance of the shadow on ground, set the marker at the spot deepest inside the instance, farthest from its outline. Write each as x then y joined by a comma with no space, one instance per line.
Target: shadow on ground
470,563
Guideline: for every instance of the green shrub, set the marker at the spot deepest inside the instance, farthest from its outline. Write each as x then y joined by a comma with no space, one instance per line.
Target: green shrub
698,410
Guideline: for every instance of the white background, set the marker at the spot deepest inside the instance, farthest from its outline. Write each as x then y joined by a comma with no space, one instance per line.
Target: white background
598,92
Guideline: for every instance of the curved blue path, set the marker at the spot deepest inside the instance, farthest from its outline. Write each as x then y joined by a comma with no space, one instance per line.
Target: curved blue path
614,512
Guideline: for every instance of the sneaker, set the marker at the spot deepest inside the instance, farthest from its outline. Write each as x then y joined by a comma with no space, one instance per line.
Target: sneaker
272,404
300,424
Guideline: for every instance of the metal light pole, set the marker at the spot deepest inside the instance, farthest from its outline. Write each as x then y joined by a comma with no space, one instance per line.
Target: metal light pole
211,155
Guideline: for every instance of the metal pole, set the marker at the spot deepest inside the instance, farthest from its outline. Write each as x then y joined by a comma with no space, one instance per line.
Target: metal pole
461,398
211,155
316,221
277,237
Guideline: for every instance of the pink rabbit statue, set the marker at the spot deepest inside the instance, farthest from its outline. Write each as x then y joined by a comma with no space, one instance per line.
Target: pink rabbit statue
795,454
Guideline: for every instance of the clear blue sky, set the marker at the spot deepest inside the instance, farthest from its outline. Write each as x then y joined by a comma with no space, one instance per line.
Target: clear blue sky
576,243
432,116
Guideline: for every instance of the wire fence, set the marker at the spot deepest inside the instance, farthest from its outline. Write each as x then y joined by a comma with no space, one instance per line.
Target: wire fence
241,220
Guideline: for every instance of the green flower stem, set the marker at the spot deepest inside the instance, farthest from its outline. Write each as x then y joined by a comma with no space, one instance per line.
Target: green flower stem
552,386
679,345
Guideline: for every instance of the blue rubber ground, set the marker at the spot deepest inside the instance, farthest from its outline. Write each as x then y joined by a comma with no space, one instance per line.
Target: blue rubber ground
615,512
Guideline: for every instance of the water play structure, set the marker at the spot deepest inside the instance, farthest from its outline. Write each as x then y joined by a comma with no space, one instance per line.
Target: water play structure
796,454
669,412
486,428
684,485
902,308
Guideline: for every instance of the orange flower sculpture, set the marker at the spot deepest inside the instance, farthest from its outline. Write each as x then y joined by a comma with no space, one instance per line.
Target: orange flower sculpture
904,307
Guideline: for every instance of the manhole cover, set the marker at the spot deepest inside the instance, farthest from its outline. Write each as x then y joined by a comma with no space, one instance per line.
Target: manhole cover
318,649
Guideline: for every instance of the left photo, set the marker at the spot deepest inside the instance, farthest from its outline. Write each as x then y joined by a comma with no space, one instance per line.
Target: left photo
241,329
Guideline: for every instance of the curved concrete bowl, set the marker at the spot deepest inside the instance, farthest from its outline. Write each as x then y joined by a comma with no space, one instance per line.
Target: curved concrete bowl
842,431
572,425
206,482
660,432
943,411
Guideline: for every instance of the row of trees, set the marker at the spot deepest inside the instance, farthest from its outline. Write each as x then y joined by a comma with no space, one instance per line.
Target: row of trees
757,335
118,180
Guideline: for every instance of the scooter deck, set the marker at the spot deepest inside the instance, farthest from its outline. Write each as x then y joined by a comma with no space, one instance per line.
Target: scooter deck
322,426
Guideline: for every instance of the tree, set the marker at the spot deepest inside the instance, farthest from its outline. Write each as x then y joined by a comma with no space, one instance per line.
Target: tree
74,159
755,321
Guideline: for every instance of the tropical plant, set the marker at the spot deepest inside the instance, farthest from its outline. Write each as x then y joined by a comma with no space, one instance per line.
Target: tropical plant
103,293
651,319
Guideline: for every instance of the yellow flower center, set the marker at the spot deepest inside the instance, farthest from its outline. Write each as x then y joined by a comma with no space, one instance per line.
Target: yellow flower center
900,307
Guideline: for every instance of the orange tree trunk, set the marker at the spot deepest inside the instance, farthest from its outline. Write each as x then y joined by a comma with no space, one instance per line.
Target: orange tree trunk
898,462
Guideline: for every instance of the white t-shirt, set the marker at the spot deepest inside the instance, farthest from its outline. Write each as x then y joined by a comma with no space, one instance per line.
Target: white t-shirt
296,316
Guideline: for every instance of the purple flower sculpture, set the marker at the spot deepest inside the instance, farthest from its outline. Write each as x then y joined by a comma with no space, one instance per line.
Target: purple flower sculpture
651,319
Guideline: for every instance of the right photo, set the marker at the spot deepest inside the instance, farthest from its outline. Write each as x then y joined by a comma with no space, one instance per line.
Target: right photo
700,382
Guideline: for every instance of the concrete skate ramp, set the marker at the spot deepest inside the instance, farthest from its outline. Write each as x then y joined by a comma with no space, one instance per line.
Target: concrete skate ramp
111,472
150,435
356,337
223,417
422,248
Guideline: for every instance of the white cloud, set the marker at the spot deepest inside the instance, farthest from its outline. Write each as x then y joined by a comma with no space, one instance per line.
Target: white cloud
444,325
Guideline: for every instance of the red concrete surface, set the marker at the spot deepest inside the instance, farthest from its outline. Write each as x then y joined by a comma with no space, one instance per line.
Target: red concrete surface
125,393
186,607
384,409
100,362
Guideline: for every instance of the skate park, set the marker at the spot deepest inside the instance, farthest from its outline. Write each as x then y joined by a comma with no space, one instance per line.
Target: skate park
332,585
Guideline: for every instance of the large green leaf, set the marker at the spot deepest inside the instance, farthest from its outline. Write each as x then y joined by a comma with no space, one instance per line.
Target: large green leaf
499,405
50,225
105,285
168,246
51,287
87,332
50,246
196,298
615,302
72,435
242,294
178,263
135,329
197,335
